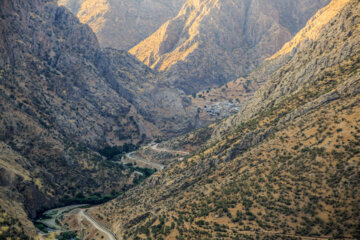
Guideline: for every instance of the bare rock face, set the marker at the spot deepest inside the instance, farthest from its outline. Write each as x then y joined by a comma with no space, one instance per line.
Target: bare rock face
63,98
289,76
123,24
239,91
212,42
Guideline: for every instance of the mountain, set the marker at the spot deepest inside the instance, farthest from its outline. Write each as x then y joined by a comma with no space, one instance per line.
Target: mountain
123,24
212,42
220,102
63,100
231,96
285,167
313,27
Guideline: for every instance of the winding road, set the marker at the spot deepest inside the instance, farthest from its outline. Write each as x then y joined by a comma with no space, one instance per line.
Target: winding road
53,214
110,235
154,147
144,161
82,213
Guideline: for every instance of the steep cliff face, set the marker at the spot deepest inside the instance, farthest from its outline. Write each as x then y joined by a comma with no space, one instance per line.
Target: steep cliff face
123,24
287,166
212,42
52,108
241,90
287,78
48,63
312,30
62,99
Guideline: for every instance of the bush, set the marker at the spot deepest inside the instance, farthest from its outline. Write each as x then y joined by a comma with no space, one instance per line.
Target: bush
67,236
95,198
200,223
110,152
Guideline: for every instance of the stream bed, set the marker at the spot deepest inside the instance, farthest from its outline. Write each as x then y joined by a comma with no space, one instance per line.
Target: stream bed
49,220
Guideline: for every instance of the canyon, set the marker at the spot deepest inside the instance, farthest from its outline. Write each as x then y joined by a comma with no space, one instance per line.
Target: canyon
209,120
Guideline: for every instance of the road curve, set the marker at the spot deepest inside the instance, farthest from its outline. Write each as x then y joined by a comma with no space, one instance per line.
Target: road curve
156,148
109,235
152,164
142,160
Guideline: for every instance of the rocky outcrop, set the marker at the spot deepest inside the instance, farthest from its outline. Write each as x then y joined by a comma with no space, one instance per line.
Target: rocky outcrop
313,27
123,24
211,42
63,98
326,54
244,88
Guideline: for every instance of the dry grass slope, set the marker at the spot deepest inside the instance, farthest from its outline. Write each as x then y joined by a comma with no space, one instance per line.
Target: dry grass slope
288,171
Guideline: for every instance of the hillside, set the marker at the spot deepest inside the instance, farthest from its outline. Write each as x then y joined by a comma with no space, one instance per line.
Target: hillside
63,99
285,167
313,27
229,97
220,102
123,24
211,42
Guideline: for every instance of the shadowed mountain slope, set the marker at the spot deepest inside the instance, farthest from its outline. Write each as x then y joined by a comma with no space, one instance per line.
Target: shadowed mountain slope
63,99
123,24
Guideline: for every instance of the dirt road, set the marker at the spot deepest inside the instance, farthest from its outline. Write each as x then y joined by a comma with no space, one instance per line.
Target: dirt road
158,166
109,235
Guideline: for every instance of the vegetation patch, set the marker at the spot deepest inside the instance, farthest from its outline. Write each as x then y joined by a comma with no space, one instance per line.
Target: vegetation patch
117,151
96,198
67,236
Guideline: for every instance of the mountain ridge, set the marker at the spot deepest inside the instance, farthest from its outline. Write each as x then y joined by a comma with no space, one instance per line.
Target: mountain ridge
287,169
285,166
312,32
123,24
201,47
63,100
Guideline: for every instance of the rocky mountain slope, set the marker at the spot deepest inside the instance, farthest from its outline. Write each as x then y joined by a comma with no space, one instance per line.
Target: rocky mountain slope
123,24
286,167
217,103
230,97
63,99
313,27
213,42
